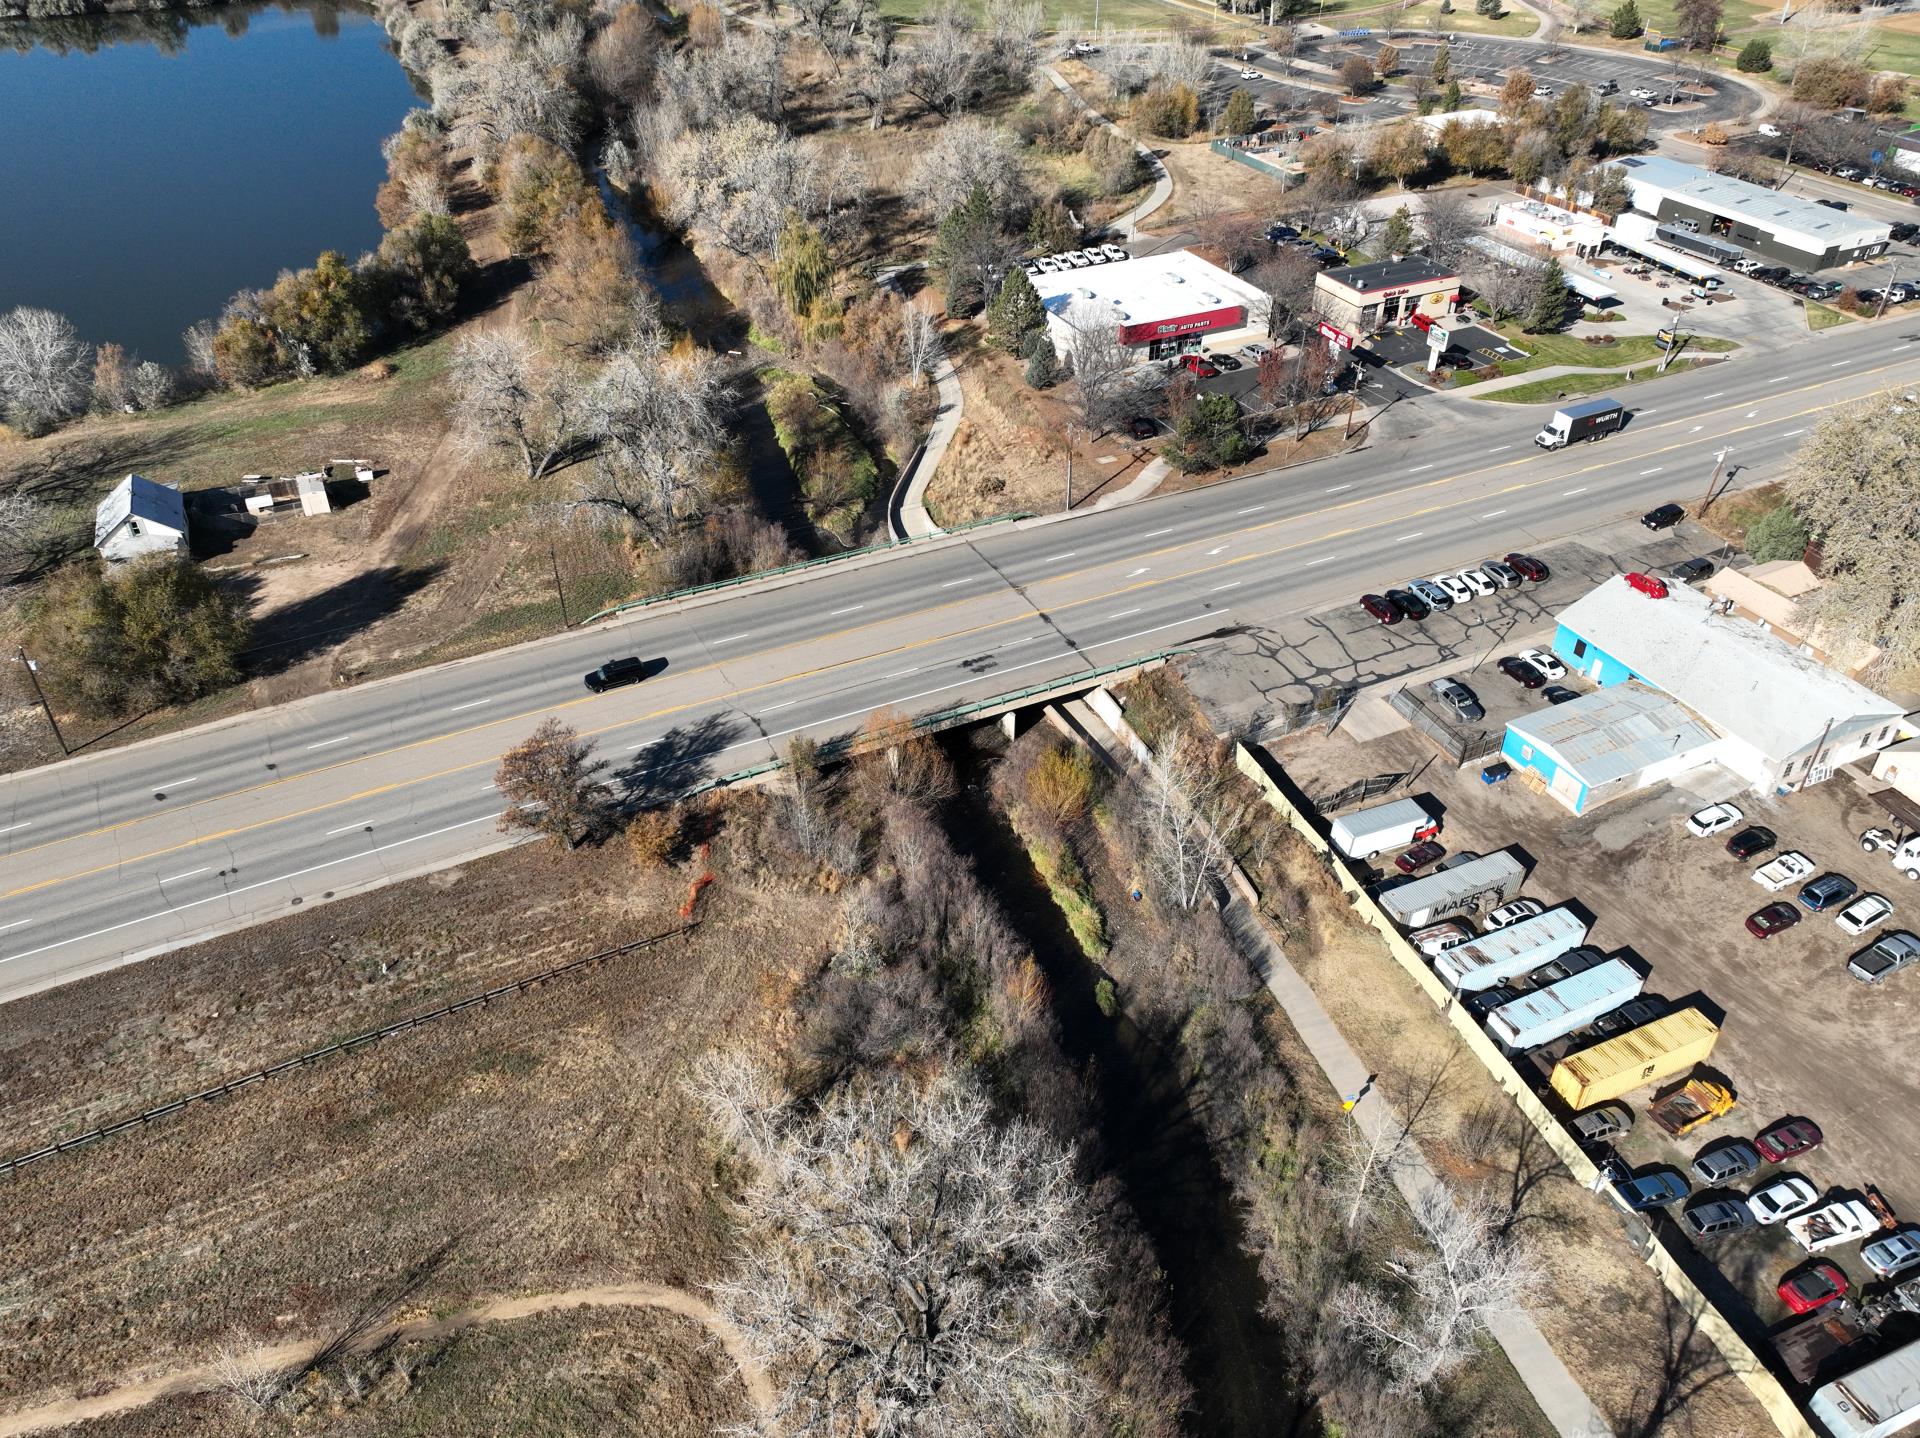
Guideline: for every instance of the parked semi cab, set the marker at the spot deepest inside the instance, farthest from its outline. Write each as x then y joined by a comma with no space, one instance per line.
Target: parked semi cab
1589,419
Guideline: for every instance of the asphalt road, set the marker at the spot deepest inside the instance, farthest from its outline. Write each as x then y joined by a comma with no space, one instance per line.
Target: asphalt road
119,855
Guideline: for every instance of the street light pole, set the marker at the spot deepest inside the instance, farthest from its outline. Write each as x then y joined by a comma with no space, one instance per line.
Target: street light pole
1719,463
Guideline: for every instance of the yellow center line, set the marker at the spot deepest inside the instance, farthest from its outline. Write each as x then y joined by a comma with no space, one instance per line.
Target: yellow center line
727,696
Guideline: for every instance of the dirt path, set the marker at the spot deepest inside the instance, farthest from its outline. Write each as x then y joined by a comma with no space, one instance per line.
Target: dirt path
207,1376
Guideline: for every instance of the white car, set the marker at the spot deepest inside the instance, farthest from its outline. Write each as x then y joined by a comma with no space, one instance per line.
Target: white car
1115,253
1714,819
1479,581
1863,913
1781,1199
1746,267
1250,75
1436,939
1455,588
1513,913
1641,93
1892,1255
1772,132
1549,667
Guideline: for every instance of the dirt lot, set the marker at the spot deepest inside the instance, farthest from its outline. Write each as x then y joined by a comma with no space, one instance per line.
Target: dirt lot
543,1143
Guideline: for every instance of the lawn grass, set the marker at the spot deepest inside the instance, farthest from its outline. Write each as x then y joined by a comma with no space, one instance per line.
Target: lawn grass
1568,386
1824,317
1089,16
1572,350
1427,16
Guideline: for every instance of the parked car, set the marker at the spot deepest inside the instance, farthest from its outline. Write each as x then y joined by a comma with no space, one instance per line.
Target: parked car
1378,607
1714,819
1789,1138
616,672
1632,1015
1198,365
1766,922
1609,1120
1140,427
1514,912
1829,891
1892,1255
1456,591
1548,666
1716,1217
1554,694
1504,575
1436,939
1814,1286
1481,584
1746,266
1529,567
1573,961
1115,253
1249,74
1419,856
1432,593
1790,866
1663,517
1864,913
1521,672
1721,1163
1256,352
1457,697
1781,1199
1282,234
1648,1191
1410,605
1754,839
1884,957
1452,358
1225,361
1485,1001
1691,571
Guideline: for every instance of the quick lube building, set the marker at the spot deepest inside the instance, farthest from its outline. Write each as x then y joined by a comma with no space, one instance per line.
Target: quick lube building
1767,225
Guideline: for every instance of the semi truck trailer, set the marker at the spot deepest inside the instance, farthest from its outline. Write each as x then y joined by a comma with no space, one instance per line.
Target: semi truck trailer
1488,880
1876,1401
1507,953
1558,1009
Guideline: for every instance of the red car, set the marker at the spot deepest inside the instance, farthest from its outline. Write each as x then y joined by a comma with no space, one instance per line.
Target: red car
1765,923
1419,856
1528,566
1199,365
1522,673
1380,608
1788,1139
1814,1286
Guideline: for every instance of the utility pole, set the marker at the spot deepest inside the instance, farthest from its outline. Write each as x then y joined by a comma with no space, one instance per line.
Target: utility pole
558,588
1719,463
1673,349
33,677
1070,430
1886,291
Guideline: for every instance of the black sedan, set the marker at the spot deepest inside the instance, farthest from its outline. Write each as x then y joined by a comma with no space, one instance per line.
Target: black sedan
1522,673
1754,839
1665,517
1410,605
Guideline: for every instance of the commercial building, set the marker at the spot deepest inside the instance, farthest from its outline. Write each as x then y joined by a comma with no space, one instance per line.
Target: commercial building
1770,595
1164,304
1608,743
1539,223
1763,222
1784,719
138,518
1363,298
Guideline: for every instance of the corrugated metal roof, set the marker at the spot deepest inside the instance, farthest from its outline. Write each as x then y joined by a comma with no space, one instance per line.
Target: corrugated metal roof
1613,732
139,498
1636,1048
1754,202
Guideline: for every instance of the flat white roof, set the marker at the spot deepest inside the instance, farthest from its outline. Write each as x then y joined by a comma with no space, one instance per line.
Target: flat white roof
1815,227
1729,671
1148,290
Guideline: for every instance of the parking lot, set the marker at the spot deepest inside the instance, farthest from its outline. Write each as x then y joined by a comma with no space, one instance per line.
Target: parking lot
1800,1037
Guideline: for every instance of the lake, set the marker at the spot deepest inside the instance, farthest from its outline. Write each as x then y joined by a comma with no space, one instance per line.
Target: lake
153,164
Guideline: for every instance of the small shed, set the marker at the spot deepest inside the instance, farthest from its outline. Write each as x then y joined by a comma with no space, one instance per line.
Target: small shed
138,518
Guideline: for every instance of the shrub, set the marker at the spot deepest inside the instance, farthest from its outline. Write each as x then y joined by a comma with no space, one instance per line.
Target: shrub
652,837
1174,113
1830,82
1060,786
1777,534
1756,57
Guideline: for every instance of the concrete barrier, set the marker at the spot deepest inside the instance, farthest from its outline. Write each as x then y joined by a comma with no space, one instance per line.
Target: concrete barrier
1747,1365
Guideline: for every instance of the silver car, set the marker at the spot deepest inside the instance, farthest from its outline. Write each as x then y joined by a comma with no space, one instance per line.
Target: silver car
1894,1254
1435,596
1885,956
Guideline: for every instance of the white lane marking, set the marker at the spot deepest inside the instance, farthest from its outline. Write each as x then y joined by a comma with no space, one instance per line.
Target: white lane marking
1405,537
1696,429
1251,509
1123,614
1051,558
1016,643
11,827
471,704
1715,395
1493,513
345,827
1655,470
203,869
489,787
901,673
1581,490
1338,487
1135,573
1235,584
1643,413
176,784
1837,363
783,704
970,579
16,924
1156,533
836,613
329,743
1323,559
1418,467
1218,549
1498,447
730,639
1791,433
1780,379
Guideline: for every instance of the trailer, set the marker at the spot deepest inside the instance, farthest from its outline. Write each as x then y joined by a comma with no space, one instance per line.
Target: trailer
1638,1057
1810,1347
1876,1401
1558,1009
1488,880
1507,953
1369,833
1694,1103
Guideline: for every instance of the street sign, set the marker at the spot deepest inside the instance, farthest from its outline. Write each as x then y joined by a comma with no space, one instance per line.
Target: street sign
1336,337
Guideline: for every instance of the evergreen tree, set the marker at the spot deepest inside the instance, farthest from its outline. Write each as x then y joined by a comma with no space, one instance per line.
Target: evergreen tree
1015,313
1755,56
1549,309
1397,237
1043,370
1238,119
1440,64
966,250
1208,435
1451,100
1625,21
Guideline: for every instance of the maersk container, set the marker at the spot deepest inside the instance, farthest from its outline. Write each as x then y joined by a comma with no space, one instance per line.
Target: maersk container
1507,953
1368,833
1489,880
1639,1057
1558,1009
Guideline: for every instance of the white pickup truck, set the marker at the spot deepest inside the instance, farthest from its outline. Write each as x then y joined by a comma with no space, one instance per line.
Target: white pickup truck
1792,867
1833,1225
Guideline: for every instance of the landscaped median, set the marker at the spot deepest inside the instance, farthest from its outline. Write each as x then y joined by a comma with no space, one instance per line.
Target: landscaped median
1568,386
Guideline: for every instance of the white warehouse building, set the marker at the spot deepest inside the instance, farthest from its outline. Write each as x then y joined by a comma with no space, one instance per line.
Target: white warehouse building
1164,304
1770,225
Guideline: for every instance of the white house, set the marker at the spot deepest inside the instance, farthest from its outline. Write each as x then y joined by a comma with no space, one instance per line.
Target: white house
139,518
1784,719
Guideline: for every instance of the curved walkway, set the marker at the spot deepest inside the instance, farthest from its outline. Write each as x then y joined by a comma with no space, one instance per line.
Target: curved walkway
206,1377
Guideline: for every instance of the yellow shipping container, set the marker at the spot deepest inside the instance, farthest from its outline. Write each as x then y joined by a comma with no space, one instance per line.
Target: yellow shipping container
1636,1058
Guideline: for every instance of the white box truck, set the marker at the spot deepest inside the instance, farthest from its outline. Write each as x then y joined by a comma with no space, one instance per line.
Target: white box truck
1487,880
1589,419
1876,1401
1369,833
1557,1010
1507,953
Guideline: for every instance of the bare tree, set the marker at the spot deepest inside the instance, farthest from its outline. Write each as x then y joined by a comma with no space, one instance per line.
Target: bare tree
151,387
964,154
1102,365
1446,1292
1191,818
1447,221
197,341
920,344
909,1268
945,61
509,395
551,784
737,183
657,420
256,1387
23,522
44,368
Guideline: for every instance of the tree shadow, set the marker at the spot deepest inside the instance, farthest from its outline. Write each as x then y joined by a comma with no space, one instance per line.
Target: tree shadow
665,769
1534,1165
298,631
1687,1367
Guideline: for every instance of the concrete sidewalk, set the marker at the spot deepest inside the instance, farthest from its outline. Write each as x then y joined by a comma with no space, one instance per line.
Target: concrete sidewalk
913,521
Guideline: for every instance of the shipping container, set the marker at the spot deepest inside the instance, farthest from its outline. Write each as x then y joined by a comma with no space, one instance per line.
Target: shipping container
1368,833
1635,1059
1507,953
1490,879
1559,1009
1876,1401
